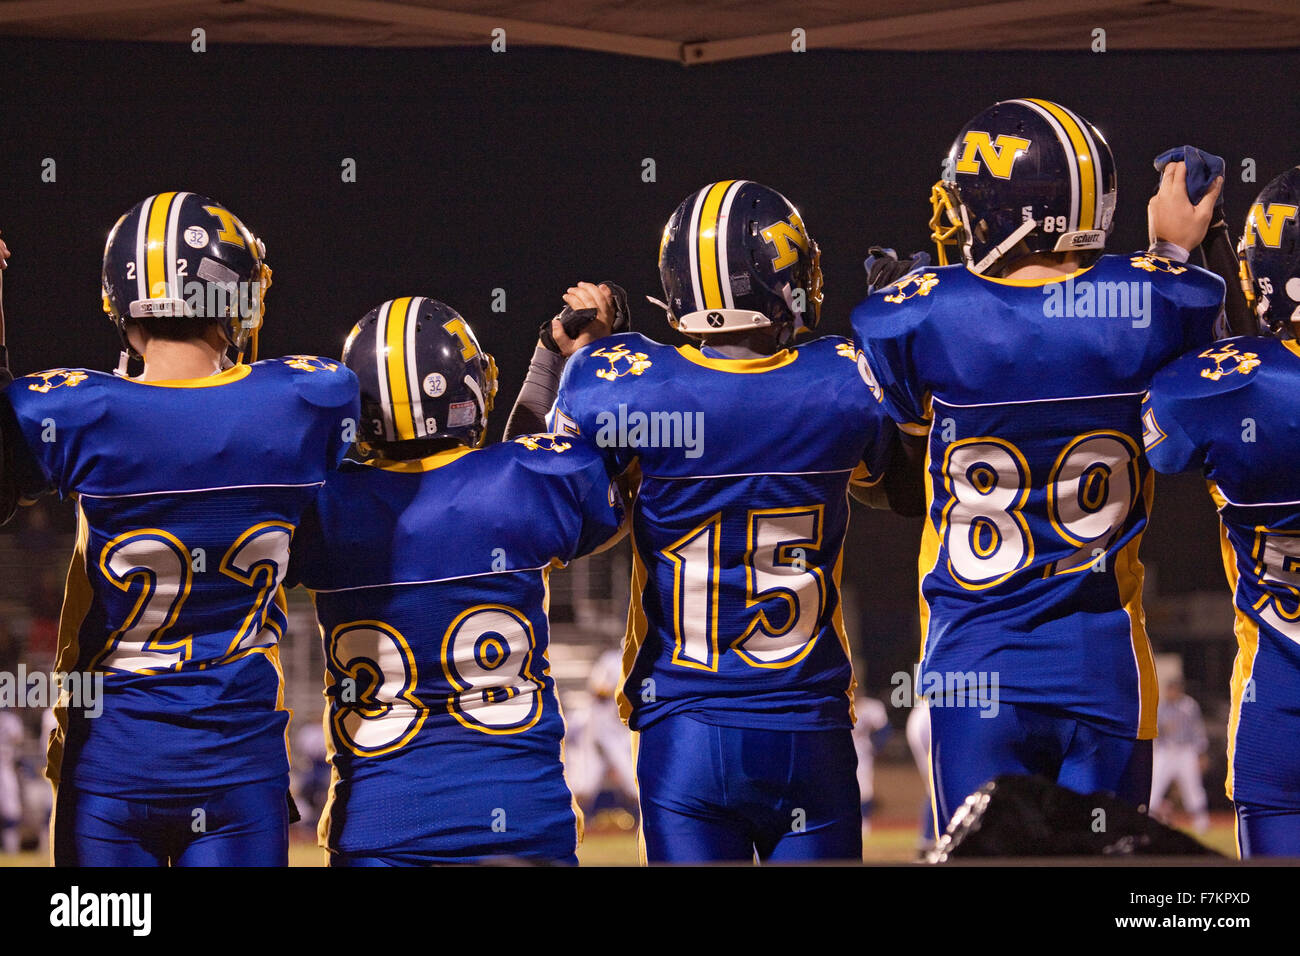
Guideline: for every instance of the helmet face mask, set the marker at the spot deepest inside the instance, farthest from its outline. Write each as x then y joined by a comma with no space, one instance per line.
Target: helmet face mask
424,379
1269,253
735,256
1023,177
180,256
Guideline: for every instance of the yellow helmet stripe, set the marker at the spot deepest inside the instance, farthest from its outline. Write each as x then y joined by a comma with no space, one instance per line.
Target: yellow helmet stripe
403,423
1083,156
710,279
156,246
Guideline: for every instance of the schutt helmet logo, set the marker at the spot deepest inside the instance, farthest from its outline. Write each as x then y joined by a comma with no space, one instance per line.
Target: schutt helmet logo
715,319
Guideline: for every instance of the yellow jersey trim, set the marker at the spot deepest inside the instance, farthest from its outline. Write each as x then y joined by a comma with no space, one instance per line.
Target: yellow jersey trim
224,377
428,463
1033,282
765,364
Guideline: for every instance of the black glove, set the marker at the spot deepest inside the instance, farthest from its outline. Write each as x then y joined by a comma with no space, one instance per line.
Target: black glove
884,268
574,321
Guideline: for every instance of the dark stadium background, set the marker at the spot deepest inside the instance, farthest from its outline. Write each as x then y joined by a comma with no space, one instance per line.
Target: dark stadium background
523,172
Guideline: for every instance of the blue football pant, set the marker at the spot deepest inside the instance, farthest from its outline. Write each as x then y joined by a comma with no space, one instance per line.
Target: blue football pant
730,794
243,826
967,750
337,859
1267,831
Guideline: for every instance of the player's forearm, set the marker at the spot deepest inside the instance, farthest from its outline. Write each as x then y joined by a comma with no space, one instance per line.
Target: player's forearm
1221,259
537,394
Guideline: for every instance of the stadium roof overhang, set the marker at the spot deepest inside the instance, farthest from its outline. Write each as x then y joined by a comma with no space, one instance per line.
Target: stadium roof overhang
677,30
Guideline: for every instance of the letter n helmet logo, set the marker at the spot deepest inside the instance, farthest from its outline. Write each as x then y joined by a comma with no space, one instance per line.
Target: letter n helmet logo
998,155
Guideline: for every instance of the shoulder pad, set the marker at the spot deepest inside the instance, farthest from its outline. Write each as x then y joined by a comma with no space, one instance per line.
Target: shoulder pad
1183,277
323,382
552,453
617,356
1227,365
74,393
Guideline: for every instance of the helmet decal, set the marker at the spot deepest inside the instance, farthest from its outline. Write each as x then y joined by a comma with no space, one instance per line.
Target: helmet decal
422,373
736,255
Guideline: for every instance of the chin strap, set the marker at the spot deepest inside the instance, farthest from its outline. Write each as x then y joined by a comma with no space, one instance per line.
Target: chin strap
1005,246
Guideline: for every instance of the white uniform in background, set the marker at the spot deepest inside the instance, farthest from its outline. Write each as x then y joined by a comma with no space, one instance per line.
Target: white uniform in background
11,807
603,743
918,741
871,718
1177,754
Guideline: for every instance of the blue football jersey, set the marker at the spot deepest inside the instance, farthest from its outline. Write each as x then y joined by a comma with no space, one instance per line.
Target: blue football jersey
188,494
738,525
1029,392
431,585
1230,411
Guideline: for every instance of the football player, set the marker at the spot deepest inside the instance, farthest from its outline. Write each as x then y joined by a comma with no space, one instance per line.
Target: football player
1216,410
190,479
736,674
429,562
1023,368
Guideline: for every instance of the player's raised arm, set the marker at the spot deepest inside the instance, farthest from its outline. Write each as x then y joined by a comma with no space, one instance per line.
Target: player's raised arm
590,312
1172,217
1218,251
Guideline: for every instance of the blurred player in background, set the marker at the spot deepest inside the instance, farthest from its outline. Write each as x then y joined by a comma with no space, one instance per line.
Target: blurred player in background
190,479
429,562
869,733
1226,411
742,445
11,805
1024,367
1179,755
604,746
918,742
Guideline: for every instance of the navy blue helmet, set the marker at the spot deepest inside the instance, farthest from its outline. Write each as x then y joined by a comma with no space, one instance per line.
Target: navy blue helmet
1022,177
422,374
1270,253
736,255
181,255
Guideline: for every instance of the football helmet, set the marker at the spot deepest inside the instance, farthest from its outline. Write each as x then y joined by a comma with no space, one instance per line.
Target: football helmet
182,255
1269,253
422,374
1024,176
736,255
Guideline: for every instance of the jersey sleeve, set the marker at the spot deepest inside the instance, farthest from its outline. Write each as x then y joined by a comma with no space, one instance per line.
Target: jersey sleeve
1196,295
601,506
576,490
333,391
575,411
887,363
880,449
1166,424
567,414
47,417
